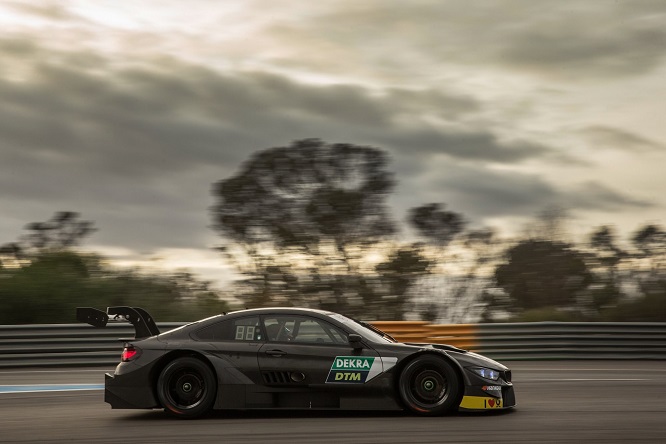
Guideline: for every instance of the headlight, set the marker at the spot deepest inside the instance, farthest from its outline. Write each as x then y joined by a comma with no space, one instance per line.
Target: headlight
487,373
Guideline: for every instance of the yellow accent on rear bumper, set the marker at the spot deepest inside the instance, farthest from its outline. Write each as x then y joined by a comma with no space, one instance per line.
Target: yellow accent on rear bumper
481,403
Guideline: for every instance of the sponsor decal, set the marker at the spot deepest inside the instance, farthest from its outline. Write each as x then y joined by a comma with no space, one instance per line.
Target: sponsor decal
492,388
352,363
493,403
348,376
353,369
481,403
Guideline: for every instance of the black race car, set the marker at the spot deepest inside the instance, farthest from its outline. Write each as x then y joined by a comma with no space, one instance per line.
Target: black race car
293,358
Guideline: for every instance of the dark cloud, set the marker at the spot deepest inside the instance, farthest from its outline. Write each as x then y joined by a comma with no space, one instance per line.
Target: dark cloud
444,104
46,10
604,137
480,193
481,146
595,40
561,40
596,196
173,116
136,146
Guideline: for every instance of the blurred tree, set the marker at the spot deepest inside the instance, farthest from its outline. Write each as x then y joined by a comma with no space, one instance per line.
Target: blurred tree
61,232
650,307
305,195
45,290
650,272
549,224
438,227
436,224
604,241
455,289
651,244
399,274
307,215
43,280
605,260
540,274
50,288
455,293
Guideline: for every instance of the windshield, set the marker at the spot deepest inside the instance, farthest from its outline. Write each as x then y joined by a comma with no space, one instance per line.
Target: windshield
367,330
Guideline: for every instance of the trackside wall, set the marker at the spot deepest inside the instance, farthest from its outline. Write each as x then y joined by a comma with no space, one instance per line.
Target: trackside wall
80,344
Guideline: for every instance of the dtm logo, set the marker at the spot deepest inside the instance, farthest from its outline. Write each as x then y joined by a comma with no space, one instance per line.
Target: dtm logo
347,376
350,369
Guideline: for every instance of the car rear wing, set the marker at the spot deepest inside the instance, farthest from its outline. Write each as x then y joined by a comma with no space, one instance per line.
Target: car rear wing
144,325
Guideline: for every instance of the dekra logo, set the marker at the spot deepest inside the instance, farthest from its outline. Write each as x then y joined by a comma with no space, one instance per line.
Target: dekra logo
352,363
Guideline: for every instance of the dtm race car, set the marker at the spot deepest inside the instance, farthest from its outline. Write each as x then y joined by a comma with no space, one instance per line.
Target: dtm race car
293,358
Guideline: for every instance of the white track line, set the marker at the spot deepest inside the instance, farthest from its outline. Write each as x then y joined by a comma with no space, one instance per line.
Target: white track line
578,380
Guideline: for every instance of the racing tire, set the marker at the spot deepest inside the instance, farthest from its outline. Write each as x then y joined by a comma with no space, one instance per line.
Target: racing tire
186,388
429,386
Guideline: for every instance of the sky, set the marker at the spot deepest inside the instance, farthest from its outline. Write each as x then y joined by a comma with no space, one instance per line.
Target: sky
128,112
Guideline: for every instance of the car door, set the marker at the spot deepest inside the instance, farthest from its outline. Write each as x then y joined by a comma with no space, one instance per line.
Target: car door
311,356
235,344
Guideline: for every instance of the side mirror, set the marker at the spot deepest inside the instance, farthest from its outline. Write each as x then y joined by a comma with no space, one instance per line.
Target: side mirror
355,340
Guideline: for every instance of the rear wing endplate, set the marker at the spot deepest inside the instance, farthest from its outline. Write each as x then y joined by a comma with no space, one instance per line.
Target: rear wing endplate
144,325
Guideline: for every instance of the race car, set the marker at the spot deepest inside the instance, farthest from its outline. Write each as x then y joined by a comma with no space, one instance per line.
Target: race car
293,358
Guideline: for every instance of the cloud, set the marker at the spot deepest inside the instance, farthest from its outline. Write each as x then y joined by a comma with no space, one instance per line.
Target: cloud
596,196
604,137
590,40
49,11
482,193
169,116
560,40
137,146
480,146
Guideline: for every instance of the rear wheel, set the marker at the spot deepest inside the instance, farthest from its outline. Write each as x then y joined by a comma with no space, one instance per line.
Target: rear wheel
429,386
186,388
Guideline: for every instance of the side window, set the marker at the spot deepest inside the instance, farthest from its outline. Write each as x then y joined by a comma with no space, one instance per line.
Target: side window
247,329
279,328
320,332
305,330
241,329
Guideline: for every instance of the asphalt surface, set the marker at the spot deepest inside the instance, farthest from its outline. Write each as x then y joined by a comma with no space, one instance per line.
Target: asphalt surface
559,401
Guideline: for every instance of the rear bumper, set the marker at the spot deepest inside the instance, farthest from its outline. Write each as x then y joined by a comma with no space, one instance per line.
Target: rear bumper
125,392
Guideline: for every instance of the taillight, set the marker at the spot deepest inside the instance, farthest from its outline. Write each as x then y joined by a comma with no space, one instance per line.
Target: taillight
129,352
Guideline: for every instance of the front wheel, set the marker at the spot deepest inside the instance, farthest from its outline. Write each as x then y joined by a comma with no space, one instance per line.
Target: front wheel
429,386
186,388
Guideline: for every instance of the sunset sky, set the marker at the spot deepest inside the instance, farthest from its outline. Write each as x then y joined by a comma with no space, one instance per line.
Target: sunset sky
128,112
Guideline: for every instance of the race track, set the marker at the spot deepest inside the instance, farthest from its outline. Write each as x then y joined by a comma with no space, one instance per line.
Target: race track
560,401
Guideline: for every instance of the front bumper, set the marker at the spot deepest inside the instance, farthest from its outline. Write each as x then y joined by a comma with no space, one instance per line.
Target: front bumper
488,398
484,394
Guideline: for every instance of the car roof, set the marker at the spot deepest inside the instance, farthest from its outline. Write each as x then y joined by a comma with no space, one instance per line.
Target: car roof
281,310
261,312
256,311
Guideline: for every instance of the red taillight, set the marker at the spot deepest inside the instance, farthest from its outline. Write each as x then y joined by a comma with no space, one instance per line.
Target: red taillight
129,353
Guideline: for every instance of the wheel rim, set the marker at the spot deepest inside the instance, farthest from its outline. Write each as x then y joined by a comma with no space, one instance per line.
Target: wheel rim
428,387
186,389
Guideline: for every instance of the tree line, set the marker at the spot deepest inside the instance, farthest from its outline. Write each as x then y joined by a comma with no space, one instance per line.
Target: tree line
309,224
43,279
